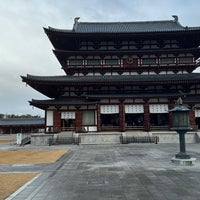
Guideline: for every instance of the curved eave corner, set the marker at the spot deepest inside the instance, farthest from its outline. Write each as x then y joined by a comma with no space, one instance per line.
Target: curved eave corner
24,78
52,30
36,104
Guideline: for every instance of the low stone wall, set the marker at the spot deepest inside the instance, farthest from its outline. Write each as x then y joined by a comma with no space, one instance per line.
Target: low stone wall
97,138
41,139
166,137
173,137
114,138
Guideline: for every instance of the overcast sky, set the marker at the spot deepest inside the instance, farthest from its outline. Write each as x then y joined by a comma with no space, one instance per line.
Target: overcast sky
25,48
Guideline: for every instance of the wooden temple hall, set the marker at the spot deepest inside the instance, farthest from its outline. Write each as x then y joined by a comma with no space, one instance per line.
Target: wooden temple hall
120,76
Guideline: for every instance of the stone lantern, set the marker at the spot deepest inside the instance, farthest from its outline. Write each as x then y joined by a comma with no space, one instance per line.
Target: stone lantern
181,125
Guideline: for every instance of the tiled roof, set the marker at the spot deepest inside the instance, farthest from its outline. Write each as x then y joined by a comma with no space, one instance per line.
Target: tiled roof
119,27
126,27
21,121
111,79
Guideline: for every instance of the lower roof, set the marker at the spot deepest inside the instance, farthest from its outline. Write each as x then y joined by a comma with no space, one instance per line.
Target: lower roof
79,80
21,121
60,102
44,104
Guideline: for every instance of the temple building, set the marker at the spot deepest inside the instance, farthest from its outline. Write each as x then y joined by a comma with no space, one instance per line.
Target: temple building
21,125
120,76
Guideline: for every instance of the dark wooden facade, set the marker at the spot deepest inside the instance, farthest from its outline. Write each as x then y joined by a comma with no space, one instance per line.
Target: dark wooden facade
120,76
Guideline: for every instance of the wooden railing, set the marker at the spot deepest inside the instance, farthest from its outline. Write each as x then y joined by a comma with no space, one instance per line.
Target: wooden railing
85,128
110,128
159,128
134,127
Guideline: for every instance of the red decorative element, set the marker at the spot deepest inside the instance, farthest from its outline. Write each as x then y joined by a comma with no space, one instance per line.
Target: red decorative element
130,62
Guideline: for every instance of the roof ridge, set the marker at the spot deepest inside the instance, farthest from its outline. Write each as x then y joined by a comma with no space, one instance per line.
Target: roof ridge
128,22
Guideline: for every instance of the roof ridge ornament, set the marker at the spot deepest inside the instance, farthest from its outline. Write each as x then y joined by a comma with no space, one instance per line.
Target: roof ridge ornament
75,23
76,20
175,18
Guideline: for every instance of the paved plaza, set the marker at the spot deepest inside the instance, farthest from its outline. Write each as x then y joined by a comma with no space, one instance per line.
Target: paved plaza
112,172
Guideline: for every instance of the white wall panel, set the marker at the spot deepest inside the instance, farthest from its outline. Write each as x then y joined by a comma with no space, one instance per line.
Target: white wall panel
134,109
197,113
49,118
67,115
109,109
158,108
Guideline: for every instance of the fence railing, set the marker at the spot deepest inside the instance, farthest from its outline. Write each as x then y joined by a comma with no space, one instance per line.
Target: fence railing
139,139
64,140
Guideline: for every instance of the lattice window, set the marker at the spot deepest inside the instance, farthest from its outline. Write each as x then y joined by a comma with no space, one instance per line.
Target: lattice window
111,61
76,62
186,60
148,61
167,60
93,62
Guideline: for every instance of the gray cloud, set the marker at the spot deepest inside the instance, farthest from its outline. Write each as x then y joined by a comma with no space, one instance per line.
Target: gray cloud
26,49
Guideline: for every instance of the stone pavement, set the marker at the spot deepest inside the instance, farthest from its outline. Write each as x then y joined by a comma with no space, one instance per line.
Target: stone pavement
112,172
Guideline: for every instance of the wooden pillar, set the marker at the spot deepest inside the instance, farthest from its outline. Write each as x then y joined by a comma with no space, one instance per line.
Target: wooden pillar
78,122
122,116
98,118
146,117
56,121
192,118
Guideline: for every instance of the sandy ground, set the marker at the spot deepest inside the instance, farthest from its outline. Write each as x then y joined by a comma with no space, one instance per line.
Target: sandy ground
10,182
30,156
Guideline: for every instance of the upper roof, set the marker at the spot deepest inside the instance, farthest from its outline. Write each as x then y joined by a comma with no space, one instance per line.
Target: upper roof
126,27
